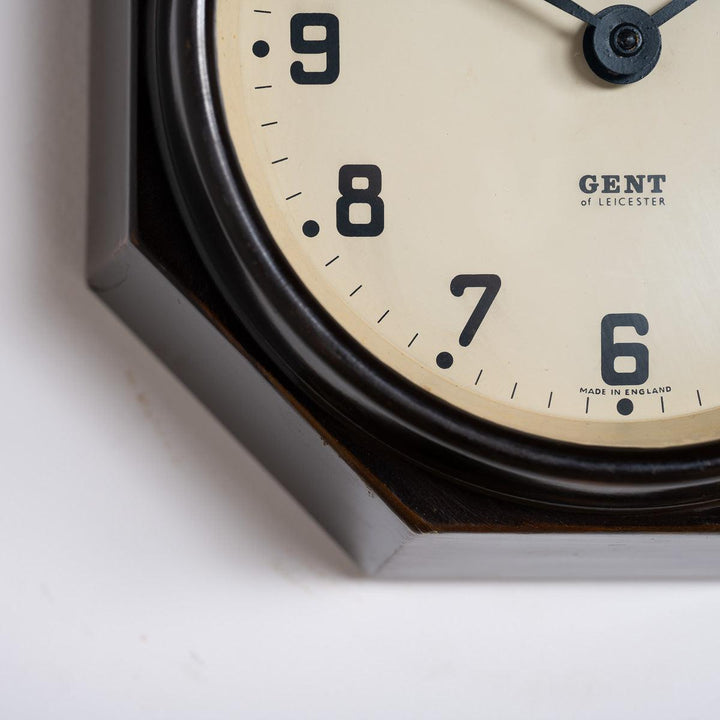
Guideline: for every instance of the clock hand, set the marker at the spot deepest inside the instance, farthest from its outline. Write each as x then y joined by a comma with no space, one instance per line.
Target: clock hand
671,10
581,13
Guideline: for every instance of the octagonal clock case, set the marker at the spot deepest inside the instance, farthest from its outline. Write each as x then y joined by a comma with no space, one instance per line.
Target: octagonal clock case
463,309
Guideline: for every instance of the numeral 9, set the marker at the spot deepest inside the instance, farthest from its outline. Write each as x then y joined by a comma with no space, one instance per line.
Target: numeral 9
329,46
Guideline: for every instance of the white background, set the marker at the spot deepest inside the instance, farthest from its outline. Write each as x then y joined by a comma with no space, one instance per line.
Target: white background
149,568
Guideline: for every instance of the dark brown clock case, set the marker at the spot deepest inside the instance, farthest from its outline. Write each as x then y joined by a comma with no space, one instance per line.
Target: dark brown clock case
408,486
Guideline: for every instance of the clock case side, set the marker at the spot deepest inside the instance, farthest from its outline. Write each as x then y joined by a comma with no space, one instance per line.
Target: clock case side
133,274
394,519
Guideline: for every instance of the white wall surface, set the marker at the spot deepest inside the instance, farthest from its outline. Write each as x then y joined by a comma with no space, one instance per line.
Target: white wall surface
149,568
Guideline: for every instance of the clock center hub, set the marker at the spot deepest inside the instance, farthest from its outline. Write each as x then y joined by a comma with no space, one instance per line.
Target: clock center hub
624,45
627,40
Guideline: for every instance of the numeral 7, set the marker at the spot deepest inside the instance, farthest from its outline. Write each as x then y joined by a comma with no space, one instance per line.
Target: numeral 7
491,284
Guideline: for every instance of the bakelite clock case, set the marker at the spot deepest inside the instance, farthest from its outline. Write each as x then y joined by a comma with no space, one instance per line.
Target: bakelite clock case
408,486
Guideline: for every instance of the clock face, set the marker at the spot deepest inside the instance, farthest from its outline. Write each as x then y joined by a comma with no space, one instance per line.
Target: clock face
489,218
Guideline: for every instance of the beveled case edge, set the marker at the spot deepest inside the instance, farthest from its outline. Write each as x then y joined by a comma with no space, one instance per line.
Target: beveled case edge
126,280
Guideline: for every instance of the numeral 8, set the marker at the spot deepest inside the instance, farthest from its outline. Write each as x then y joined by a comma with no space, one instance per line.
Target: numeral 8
352,195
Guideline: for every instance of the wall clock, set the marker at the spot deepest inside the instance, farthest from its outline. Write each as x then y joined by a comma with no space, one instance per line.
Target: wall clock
474,242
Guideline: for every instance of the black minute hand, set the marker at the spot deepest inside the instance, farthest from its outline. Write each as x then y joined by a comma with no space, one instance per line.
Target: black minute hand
579,12
671,10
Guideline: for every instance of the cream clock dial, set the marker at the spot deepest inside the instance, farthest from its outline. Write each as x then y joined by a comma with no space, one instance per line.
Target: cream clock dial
491,220
485,232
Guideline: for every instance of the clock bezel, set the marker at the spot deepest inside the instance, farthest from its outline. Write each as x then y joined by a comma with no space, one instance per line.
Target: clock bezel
318,355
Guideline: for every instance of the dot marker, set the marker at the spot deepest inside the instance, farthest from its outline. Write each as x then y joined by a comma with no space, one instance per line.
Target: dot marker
311,229
261,49
445,360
